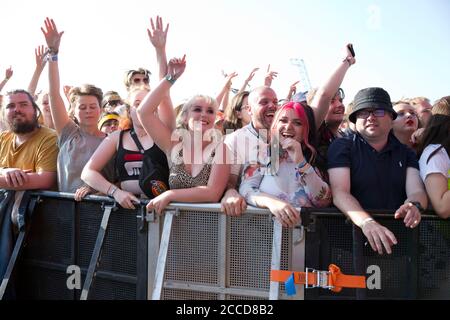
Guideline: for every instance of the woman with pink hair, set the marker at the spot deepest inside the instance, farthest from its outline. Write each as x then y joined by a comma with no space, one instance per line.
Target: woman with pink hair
291,180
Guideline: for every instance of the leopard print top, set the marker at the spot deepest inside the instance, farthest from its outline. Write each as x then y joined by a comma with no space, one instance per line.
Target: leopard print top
180,179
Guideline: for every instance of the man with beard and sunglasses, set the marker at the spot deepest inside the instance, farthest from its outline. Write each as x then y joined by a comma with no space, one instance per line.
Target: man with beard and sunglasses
28,151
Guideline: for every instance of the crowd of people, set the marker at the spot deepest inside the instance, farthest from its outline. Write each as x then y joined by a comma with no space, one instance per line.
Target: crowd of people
308,151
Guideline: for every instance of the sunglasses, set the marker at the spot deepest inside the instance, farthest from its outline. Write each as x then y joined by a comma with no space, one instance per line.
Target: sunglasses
138,80
364,114
114,103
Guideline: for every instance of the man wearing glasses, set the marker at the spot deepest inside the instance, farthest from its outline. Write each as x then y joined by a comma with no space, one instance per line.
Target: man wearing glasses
371,169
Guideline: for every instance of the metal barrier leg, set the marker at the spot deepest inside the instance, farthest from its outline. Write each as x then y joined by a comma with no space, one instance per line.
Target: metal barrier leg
298,258
162,256
274,292
97,252
153,238
12,262
358,258
20,240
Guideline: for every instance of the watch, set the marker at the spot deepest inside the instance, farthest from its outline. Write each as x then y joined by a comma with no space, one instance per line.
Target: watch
417,205
170,78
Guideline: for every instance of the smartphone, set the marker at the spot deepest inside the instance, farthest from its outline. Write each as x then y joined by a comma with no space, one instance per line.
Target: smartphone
350,48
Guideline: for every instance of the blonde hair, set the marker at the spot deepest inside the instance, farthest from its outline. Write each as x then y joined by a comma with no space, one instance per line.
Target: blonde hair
418,100
182,116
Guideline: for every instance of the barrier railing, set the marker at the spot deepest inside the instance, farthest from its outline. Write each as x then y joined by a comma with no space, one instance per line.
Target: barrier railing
208,255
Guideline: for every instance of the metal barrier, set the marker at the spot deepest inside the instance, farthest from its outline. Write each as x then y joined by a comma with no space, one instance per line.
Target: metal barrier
207,255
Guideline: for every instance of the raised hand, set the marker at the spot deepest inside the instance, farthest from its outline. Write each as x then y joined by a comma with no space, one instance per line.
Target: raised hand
228,78
39,54
157,34
8,73
269,77
176,67
51,34
348,55
251,75
66,90
292,90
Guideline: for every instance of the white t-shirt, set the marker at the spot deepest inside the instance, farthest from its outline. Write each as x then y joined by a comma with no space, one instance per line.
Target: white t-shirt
439,163
246,147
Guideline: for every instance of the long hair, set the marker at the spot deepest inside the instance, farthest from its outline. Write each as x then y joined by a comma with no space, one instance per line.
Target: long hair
30,97
437,130
232,121
307,147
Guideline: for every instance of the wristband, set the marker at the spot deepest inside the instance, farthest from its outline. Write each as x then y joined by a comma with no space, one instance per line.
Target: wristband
302,164
365,221
417,205
170,78
51,57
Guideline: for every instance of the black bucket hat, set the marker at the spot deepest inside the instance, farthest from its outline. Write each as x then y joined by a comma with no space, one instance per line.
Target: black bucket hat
372,98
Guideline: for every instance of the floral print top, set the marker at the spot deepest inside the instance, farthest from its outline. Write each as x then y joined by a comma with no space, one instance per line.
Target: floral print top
306,189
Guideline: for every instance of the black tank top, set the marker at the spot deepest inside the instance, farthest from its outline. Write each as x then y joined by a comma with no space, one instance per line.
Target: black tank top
129,163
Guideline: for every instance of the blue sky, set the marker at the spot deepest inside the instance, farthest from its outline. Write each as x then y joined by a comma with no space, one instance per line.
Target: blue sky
400,45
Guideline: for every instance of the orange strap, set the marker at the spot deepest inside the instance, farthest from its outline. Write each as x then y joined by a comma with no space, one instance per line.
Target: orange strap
335,281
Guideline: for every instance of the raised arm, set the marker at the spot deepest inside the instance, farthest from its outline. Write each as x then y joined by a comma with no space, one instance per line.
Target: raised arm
247,81
223,96
53,39
378,236
39,54
8,75
292,90
270,75
158,38
160,133
325,94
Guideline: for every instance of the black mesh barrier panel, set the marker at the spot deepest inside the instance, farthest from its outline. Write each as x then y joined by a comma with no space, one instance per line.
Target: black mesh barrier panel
43,283
51,239
64,233
434,260
418,268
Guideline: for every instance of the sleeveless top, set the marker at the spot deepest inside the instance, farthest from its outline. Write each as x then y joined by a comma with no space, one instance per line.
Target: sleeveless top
129,163
180,179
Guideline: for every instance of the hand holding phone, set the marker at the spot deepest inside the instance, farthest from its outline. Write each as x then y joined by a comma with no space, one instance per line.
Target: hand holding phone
350,48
